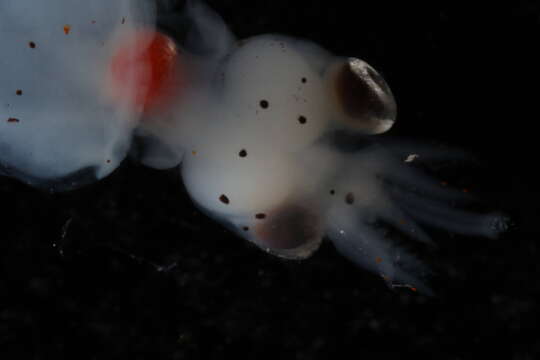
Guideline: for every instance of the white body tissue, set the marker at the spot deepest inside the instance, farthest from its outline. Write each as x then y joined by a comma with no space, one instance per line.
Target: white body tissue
273,134
261,145
57,118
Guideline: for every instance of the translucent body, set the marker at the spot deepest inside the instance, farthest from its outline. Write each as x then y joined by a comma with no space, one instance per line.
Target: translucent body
273,134
262,143
57,116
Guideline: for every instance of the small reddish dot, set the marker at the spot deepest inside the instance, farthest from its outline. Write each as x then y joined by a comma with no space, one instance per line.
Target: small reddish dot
13,120
260,216
444,183
378,260
67,29
465,190
224,199
18,92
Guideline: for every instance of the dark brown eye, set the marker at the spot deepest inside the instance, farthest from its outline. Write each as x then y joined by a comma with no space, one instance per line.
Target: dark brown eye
289,227
363,95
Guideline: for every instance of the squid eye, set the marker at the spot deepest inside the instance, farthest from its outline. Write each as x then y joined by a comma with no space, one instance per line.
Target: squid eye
291,231
363,99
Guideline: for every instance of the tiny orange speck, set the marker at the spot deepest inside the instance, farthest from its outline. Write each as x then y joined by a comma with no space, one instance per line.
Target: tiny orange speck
465,190
378,259
194,152
444,183
67,29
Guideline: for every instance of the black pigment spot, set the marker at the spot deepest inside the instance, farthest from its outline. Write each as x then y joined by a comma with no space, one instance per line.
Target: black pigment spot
224,199
304,80
302,119
32,45
332,192
18,92
264,104
260,216
245,228
242,153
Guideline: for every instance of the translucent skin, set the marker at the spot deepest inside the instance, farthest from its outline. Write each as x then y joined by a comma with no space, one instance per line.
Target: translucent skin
276,145
273,133
55,72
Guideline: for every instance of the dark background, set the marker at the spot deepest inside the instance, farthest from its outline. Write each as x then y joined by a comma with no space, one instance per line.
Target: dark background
86,274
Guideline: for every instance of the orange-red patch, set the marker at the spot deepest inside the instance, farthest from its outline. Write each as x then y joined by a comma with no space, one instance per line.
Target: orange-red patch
152,72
